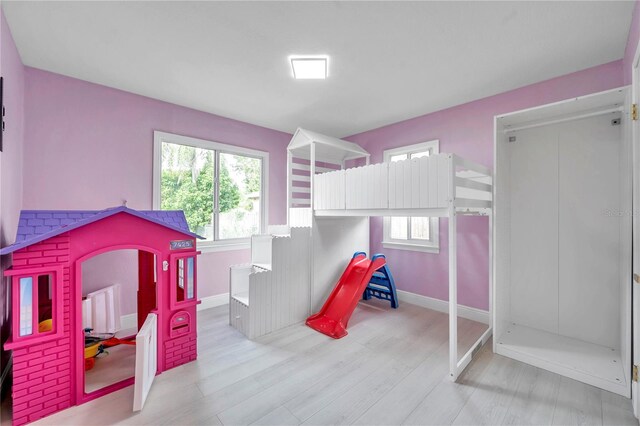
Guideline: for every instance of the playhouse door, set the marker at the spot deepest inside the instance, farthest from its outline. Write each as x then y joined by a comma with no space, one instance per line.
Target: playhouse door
146,360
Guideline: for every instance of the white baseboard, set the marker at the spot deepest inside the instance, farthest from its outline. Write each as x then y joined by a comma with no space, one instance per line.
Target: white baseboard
128,321
467,312
213,301
474,314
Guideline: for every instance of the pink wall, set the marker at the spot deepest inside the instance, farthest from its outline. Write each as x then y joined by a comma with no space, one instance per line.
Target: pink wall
12,70
90,146
632,44
467,130
113,267
11,157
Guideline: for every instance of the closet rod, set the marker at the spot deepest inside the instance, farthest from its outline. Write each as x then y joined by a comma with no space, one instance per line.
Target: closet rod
565,119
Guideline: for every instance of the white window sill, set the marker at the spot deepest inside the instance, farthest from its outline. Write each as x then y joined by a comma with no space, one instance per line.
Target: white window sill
411,247
217,246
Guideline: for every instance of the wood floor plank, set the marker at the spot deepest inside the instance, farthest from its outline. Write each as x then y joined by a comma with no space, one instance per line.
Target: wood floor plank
278,417
334,384
349,406
200,411
229,376
617,410
577,404
286,386
196,416
326,357
468,333
443,404
488,404
156,408
407,348
409,392
535,398
414,387
391,368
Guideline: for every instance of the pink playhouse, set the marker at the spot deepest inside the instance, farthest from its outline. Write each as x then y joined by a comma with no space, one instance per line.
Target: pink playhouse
48,338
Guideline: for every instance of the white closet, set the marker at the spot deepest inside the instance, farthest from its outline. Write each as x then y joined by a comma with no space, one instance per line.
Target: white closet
562,283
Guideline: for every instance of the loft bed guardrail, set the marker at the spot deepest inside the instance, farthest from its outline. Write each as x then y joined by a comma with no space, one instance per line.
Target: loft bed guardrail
426,186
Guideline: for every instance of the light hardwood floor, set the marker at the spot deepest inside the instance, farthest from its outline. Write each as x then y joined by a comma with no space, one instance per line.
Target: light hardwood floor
390,369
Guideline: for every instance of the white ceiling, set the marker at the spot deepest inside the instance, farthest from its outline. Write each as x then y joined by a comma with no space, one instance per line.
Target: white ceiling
389,60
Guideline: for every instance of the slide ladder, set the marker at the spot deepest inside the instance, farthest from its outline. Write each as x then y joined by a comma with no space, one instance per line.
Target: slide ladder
333,318
382,286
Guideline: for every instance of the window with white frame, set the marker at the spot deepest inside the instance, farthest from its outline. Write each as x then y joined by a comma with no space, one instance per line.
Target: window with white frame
411,233
221,188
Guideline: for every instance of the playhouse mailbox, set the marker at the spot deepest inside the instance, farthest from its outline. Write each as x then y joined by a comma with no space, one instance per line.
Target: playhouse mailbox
180,324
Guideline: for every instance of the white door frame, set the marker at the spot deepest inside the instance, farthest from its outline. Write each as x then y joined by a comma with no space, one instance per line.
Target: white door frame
635,146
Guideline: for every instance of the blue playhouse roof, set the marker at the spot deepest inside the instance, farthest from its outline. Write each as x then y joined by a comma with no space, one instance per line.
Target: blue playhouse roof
38,225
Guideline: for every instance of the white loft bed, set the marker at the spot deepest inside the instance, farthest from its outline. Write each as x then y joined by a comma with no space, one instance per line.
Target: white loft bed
320,187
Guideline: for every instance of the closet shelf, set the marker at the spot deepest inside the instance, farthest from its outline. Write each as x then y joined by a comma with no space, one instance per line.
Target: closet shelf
587,362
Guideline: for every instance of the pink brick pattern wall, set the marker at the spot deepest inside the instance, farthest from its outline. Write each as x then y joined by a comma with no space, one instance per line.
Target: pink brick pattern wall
181,350
42,372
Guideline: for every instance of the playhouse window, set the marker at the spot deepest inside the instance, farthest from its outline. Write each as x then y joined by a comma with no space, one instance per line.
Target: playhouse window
26,306
221,188
183,286
411,233
36,303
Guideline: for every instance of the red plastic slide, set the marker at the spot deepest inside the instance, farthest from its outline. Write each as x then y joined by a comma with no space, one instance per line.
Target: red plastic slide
334,316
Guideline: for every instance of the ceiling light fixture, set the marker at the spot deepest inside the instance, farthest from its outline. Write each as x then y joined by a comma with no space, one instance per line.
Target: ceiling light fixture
310,67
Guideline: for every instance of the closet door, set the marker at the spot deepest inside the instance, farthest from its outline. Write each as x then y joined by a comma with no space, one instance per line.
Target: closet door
589,195
534,229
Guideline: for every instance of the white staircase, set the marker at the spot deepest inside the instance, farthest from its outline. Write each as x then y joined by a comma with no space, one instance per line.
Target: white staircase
273,291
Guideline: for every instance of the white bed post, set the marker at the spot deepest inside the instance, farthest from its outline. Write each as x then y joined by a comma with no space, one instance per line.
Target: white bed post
491,264
312,174
453,275
289,186
453,295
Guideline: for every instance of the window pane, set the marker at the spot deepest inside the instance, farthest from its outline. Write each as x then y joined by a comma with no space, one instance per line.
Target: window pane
26,306
45,302
398,157
180,281
187,184
420,154
420,228
190,278
240,195
398,228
